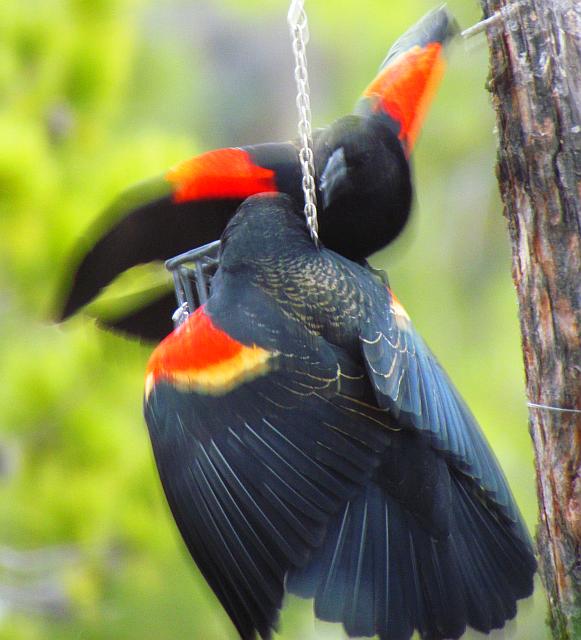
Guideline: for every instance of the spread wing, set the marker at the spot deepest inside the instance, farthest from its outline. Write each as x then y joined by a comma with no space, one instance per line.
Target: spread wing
159,218
409,381
409,76
257,448
149,320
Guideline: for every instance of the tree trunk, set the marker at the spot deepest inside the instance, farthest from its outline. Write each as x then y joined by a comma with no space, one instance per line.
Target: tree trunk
535,54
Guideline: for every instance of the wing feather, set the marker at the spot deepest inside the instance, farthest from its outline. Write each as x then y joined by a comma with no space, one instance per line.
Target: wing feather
254,475
409,381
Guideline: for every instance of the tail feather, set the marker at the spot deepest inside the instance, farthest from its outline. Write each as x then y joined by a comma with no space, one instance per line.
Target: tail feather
359,618
501,564
405,608
381,572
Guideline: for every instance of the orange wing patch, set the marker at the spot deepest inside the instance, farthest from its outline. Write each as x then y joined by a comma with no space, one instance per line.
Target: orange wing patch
405,88
401,315
225,173
198,356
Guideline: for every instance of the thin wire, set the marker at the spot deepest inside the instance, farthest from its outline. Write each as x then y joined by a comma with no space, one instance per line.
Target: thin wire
297,19
497,16
481,26
534,405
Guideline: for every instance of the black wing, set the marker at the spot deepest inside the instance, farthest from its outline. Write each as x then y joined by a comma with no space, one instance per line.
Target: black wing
435,542
409,76
254,462
409,381
159,218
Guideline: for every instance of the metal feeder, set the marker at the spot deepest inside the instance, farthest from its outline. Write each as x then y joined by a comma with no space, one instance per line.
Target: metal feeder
192,272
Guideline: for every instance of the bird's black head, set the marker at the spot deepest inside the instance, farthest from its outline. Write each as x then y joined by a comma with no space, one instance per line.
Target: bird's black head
266,227
364,185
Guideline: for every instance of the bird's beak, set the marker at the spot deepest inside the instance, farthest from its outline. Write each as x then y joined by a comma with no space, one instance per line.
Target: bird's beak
335,179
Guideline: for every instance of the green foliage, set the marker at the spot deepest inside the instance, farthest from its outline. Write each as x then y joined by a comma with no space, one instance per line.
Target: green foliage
96,95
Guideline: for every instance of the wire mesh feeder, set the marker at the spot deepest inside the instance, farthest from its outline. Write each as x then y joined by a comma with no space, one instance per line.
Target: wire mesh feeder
192,272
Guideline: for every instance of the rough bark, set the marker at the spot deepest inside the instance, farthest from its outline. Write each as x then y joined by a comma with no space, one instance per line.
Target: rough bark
535,54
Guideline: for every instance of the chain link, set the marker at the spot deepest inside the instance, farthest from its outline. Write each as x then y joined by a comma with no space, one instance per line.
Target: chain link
297,19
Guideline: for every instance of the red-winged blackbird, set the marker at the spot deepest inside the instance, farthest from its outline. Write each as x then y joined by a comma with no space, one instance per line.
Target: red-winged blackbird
364,187
308,441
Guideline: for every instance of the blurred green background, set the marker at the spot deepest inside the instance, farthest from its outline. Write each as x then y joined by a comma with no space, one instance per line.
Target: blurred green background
98,94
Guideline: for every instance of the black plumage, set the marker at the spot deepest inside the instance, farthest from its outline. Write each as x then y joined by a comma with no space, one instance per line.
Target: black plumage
363,187
347,468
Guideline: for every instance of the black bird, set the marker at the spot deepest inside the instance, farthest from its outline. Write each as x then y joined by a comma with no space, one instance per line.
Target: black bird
364,187
308,441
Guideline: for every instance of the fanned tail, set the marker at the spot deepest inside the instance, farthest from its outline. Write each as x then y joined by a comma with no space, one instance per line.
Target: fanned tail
381,572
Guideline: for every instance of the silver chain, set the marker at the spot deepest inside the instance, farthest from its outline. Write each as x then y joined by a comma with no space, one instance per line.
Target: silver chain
297,19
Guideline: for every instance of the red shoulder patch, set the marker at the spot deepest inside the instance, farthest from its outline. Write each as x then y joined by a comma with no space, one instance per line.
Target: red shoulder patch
405,88
199,356
224,173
